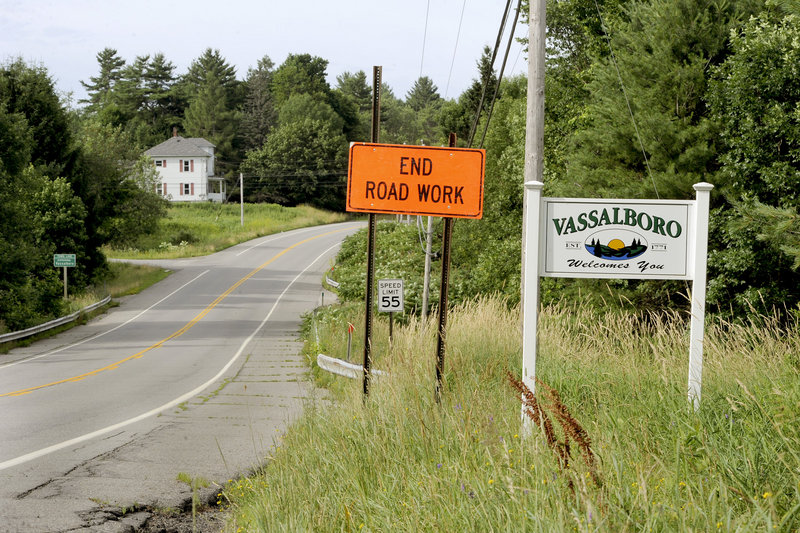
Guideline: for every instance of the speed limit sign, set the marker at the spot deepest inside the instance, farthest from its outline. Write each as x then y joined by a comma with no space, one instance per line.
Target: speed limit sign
390,296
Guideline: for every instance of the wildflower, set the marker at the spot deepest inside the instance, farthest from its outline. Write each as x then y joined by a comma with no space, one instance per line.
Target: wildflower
767,495
458,407
491,481
719,524
438,465
516,436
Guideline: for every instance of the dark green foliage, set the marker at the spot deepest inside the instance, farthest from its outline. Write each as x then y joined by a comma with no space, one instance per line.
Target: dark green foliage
259,114
459,117
301,162
755,98
211,117
300,74
101,86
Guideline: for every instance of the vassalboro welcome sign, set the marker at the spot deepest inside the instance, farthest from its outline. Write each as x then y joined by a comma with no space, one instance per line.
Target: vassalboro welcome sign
622,239
616,238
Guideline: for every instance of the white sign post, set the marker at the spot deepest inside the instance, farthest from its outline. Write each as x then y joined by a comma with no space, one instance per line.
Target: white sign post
616,239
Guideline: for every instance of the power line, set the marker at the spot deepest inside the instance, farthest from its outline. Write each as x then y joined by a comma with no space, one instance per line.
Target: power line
424,37
488,75
502,69
458,34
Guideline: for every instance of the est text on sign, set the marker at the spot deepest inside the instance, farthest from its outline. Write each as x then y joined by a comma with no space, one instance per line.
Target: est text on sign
416,180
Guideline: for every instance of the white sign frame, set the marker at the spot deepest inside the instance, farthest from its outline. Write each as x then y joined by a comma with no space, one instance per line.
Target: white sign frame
661,231
536,248
394,290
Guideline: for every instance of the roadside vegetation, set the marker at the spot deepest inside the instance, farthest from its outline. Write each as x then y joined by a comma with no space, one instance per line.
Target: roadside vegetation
402,462
190,230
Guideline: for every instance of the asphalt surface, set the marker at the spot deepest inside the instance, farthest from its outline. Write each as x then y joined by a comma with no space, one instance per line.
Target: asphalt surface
199,374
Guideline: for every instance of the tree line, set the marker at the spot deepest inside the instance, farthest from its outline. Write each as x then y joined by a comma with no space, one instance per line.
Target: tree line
74,179
642,100
285,127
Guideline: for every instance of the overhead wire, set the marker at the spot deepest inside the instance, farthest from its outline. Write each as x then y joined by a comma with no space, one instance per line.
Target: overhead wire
455,48
424,38
500,76
488,75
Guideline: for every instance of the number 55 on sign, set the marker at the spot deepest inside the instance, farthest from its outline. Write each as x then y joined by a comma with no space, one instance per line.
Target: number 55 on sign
390,296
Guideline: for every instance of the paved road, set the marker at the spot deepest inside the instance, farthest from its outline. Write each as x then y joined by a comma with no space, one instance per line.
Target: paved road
197,374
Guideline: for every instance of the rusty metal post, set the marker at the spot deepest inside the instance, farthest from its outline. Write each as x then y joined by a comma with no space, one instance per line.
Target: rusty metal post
376,129
442,337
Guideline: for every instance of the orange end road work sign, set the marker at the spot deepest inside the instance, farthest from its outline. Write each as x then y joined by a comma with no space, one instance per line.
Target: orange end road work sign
416,180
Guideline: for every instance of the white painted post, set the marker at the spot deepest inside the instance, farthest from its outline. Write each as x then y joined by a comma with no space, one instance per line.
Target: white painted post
241,199
65,283
530,303
703,191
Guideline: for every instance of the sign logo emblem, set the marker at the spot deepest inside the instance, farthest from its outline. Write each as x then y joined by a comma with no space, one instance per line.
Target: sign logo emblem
616,244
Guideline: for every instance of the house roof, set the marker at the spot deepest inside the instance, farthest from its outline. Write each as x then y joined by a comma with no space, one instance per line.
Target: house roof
178,146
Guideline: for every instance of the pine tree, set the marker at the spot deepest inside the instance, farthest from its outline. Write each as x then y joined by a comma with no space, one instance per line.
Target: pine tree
210,117
259,114
423,94
100,87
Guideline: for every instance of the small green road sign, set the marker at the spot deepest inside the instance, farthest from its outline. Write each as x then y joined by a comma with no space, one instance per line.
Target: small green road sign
64,260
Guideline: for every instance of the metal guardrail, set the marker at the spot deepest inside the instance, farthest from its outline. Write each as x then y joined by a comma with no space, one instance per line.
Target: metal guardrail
15,335
343,368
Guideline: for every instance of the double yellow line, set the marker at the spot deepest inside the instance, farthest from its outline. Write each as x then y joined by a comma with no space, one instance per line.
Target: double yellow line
189,325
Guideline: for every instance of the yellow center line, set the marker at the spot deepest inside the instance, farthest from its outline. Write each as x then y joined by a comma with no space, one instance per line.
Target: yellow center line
175,335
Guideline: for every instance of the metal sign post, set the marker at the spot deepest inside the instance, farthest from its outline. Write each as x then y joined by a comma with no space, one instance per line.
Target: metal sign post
376,130
445,286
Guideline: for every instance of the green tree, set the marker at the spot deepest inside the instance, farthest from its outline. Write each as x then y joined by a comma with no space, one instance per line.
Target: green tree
28,92
101,86
459,117
300,107
211,117
355,95
211,65
300,74
654,137
423,94
259,114
755,95
301,162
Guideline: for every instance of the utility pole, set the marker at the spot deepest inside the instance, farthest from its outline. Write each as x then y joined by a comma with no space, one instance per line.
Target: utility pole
426,283
534,132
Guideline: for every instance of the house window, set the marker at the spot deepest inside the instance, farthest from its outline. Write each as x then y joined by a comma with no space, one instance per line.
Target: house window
186,167
186,189
159,189
158,162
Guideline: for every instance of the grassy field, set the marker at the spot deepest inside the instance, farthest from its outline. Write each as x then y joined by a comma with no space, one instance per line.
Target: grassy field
638,458
202,228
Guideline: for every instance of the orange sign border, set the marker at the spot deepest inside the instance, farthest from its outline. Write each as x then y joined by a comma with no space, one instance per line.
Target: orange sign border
416,150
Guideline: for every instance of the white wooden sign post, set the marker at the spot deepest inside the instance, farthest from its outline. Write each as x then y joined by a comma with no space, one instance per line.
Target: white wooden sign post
616,239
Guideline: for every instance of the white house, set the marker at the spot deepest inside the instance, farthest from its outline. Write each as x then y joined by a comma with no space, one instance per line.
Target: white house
186,167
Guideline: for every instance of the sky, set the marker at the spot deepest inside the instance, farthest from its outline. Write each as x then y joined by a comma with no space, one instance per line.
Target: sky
65,36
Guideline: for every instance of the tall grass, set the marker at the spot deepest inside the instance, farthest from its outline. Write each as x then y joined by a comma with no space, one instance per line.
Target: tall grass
402,462
202,228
